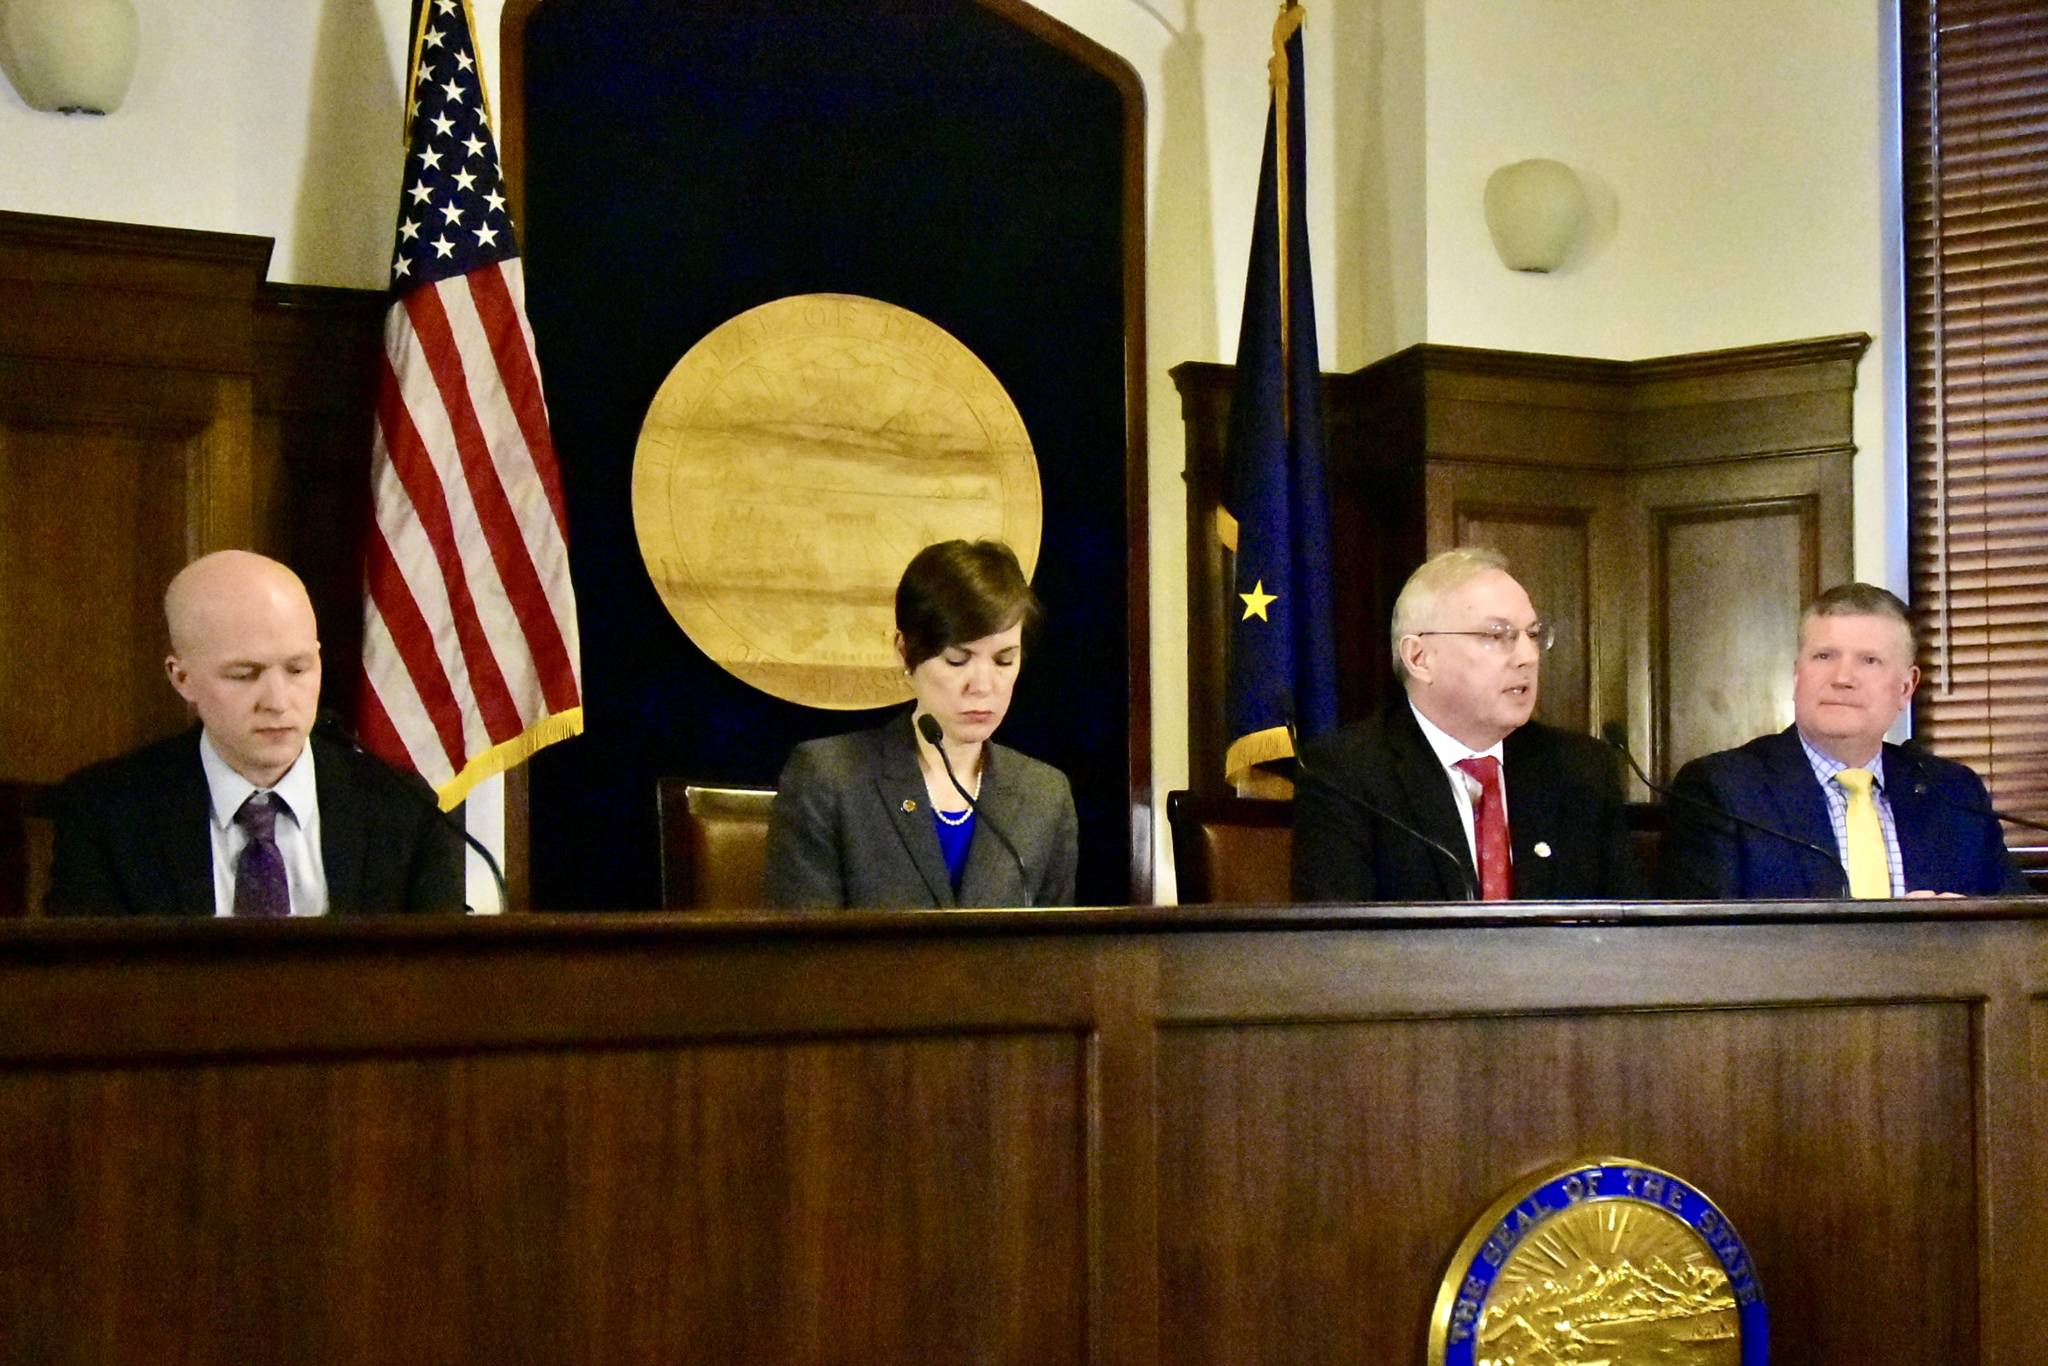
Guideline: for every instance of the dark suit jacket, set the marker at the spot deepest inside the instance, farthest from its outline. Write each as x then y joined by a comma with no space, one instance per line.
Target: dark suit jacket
1945,845
852,826
1563,792
132,840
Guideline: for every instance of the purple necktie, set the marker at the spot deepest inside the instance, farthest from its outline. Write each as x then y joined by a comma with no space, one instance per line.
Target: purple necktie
259,873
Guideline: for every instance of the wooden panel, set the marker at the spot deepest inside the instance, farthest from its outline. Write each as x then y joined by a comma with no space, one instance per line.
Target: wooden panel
1314,1176
2016,1102
716,1204
1550,549
125,449
1768,401
1157,1134
26,840
1515,408
1730,582
316,387
86,547
157,401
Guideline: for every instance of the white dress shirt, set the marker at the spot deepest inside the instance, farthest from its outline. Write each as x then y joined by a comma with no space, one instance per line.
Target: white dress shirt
297,834
1464,786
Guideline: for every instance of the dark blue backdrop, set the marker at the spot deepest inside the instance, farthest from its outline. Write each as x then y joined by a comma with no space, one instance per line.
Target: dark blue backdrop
686,162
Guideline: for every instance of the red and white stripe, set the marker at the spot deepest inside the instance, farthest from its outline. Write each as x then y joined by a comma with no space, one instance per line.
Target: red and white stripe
470,649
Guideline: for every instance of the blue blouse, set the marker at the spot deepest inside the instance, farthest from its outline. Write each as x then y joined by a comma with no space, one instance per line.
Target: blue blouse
953,842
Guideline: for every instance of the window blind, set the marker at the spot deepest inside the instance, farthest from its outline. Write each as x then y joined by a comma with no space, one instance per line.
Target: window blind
1974,87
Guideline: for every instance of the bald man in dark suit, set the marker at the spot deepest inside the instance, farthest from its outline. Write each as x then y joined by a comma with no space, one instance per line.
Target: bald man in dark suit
248,813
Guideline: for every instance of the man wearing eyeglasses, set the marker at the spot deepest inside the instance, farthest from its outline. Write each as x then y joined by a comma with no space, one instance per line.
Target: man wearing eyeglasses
1452,793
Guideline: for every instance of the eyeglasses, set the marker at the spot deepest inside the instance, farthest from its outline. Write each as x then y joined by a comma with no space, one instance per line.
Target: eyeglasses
1501,637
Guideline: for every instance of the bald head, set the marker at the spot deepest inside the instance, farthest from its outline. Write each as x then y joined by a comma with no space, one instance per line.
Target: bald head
208,594
245,652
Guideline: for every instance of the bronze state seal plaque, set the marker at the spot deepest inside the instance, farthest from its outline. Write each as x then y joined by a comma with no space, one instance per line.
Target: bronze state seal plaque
1603,1262
792,463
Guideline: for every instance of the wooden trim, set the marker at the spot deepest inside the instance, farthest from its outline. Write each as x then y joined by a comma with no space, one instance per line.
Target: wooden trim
182,298
1843,348
1137,524
1123,1159
512,22
1204,408
1137,483
102,253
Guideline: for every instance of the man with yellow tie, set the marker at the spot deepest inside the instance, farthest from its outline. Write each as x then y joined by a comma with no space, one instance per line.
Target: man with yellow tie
1826,806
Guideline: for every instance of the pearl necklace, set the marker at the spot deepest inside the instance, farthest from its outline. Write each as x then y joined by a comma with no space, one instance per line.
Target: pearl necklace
959,818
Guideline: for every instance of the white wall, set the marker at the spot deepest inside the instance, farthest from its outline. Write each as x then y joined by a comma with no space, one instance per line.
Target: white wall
265,117
1736,146
1735,153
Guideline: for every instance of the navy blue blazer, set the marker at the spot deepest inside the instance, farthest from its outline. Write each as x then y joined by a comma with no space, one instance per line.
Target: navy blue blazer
1946,844
132,840
1565,817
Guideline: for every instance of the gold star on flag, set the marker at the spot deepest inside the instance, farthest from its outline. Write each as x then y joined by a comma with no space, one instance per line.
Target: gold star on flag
1256,601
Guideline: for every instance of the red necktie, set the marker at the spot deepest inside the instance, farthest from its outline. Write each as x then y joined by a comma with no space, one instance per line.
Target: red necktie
1490,824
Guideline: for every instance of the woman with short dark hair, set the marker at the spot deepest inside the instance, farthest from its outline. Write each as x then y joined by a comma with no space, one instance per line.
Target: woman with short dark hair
876,819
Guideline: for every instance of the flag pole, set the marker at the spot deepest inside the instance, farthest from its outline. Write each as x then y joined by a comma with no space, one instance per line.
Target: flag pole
1278,77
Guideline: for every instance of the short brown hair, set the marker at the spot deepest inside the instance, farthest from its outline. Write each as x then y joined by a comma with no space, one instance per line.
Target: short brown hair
1864,600
957,591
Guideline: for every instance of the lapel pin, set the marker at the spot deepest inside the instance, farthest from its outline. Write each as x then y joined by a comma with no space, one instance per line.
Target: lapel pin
1542,849
909,805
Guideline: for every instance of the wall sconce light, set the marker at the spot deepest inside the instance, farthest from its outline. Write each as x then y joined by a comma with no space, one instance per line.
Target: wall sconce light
69,56
1534,210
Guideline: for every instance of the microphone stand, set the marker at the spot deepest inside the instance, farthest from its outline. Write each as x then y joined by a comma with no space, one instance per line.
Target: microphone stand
1923,788
1713,809
334,726
1301,767
928,728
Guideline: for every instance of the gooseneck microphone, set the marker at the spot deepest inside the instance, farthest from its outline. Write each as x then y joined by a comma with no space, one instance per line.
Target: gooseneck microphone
1302,769
928,727
1923,788
1833,857
336,729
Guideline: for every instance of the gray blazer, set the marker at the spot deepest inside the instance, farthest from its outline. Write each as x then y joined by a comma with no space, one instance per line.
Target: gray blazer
852,826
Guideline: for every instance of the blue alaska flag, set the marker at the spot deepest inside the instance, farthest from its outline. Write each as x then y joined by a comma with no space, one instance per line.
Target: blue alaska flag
1276,514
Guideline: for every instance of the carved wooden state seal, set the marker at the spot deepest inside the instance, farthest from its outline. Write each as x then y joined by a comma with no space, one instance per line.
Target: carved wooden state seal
792,463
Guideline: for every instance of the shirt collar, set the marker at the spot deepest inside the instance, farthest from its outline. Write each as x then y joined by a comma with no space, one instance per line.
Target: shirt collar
1825,766
1448,749
228,789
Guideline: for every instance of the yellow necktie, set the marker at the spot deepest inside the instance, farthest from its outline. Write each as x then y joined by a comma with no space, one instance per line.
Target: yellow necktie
1870,872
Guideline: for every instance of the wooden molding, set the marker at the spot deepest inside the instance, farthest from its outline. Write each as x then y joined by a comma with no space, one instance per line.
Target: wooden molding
120,293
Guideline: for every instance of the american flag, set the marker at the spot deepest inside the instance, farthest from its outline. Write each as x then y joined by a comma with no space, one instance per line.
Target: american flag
470,659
